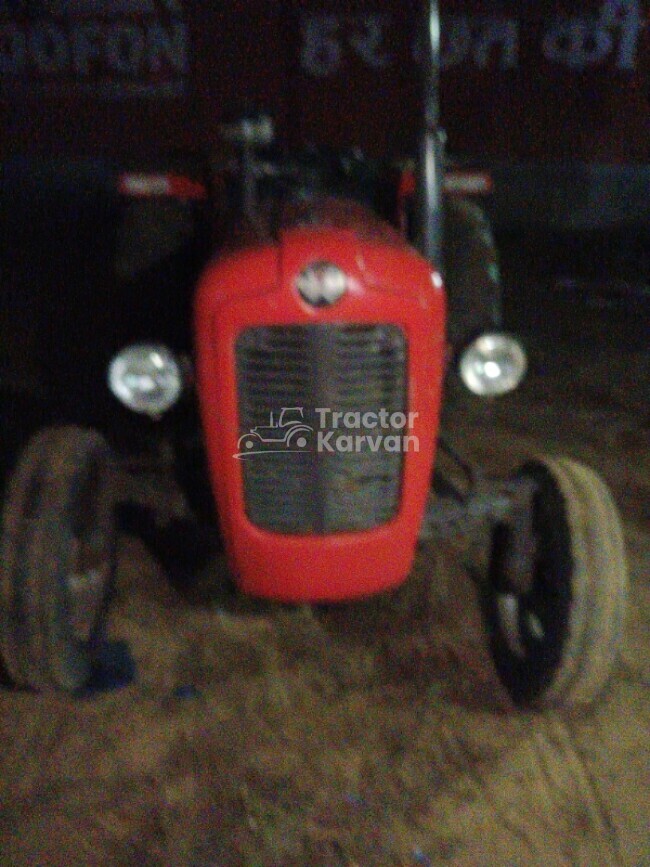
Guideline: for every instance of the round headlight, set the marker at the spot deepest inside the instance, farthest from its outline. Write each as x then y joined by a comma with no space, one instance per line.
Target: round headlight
146,378
322,284
492,365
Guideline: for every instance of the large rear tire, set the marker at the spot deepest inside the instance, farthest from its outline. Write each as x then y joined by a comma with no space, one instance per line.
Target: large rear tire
472,274
57,559
556,643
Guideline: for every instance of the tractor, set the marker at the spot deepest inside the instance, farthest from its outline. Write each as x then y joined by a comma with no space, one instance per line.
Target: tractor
319,312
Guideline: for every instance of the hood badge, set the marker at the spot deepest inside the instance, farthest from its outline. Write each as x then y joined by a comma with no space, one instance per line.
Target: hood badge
322,284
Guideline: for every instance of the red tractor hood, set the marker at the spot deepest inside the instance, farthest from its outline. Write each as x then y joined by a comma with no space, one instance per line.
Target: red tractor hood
253,286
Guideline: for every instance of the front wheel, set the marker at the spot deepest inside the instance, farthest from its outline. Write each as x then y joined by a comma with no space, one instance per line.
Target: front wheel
555,643
57,559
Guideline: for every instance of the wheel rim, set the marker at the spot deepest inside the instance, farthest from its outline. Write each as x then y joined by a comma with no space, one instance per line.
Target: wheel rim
91,552
529,629
522,626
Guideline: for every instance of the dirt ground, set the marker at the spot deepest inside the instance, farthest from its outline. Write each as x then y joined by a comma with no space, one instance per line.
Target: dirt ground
372,734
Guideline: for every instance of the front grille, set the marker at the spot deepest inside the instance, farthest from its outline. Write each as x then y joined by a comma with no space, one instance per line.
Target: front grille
293,486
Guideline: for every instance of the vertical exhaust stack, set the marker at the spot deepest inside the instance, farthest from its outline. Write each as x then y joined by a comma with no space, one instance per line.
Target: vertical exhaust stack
432,144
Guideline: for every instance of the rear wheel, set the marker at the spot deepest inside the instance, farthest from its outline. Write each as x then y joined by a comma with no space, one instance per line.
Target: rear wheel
57,559
472,275
298,438
555,643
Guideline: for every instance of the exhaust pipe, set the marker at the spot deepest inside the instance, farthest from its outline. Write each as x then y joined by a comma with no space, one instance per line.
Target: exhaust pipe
432,145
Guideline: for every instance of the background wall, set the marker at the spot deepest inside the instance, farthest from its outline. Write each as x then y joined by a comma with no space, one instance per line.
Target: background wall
567,80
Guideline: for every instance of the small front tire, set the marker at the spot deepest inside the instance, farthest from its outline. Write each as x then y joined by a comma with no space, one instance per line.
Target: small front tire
57,559
556,643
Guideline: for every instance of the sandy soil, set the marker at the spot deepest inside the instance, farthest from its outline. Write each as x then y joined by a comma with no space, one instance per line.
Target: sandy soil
373,734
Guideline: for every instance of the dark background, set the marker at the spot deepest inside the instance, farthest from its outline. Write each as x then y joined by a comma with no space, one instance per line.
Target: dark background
537,107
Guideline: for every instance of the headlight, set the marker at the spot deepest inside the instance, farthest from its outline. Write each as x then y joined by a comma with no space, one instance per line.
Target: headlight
146,378
493,364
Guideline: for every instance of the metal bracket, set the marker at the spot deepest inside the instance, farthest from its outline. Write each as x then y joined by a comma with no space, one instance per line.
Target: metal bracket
447,517
453,514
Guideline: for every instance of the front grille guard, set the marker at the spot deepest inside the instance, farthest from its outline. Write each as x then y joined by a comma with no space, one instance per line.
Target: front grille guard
291,483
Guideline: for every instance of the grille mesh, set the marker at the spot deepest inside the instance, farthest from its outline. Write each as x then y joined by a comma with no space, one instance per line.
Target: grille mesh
293,486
